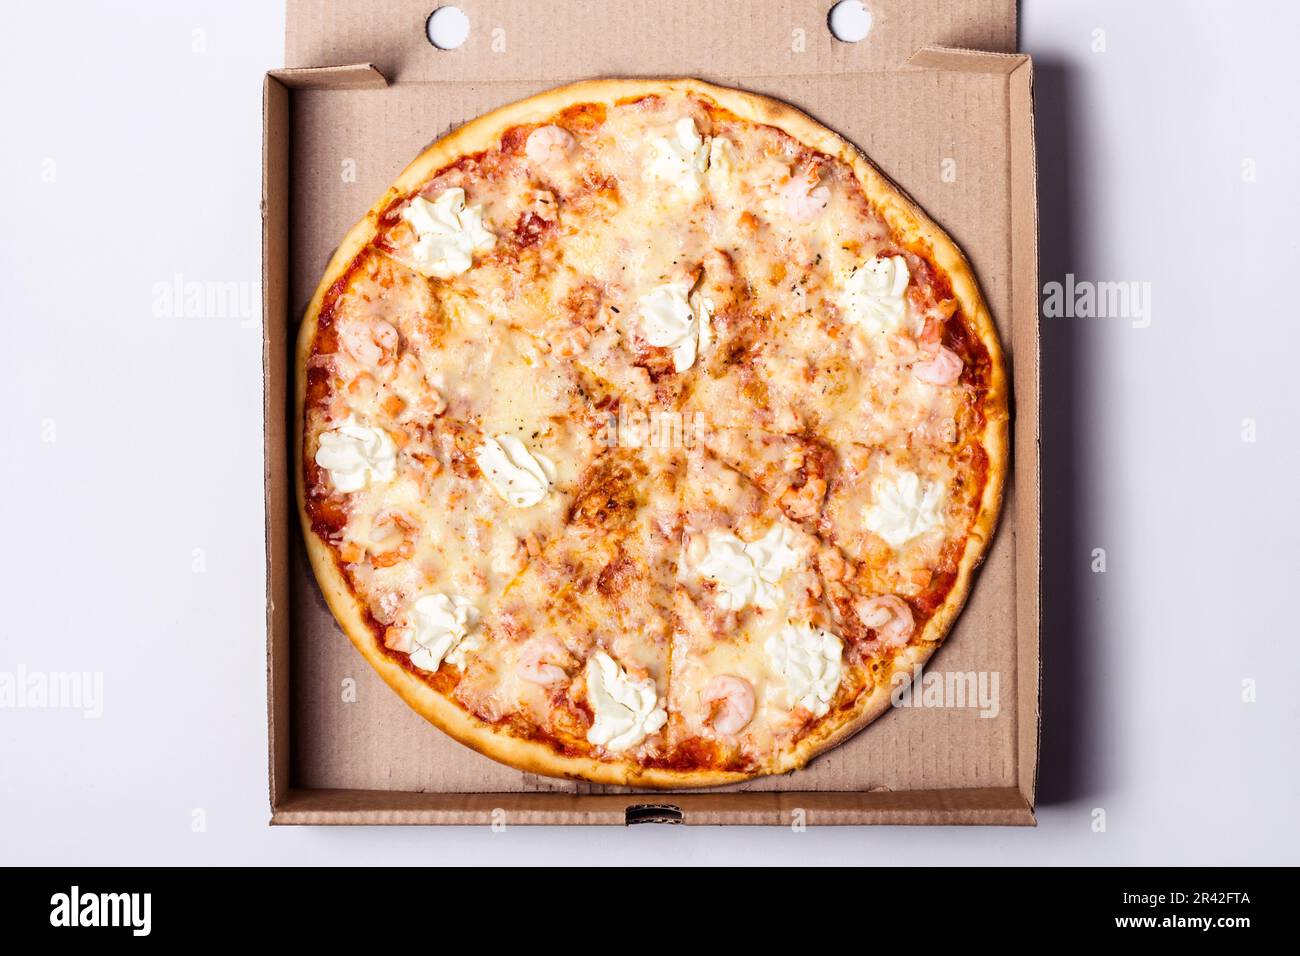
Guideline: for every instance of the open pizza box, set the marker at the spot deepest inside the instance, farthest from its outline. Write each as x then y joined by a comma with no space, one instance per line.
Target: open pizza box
364,91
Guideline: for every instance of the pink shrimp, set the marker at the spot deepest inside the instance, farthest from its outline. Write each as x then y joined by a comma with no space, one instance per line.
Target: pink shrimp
944,367
392,538
547,143
804,196
889,616
730,700
398,638
372,343
538,662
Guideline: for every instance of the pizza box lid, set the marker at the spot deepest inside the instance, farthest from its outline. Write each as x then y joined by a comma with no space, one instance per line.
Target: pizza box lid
937,97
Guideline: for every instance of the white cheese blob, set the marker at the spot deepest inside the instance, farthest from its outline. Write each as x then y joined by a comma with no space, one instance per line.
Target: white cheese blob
439,625
904,507
520,476
874,296
626,711
749,573
670,319
681,159
448,233
355,454
721,154
808,661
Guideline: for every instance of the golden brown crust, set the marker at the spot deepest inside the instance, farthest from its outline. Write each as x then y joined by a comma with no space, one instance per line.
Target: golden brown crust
906,220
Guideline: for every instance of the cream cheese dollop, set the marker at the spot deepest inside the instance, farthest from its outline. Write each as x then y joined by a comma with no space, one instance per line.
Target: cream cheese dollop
680,159
670,318
809,661
520,476
355,454
448,233
904,507
875,295
440,626
749,573
625,711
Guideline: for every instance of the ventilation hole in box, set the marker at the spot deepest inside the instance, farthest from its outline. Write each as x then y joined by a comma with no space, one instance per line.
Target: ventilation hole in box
652,813
849,21
447,28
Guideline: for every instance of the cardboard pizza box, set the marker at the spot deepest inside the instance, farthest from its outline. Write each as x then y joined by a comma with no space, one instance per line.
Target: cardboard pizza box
939,100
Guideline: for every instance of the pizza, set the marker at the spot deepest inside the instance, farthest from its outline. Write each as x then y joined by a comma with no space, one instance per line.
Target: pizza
648,433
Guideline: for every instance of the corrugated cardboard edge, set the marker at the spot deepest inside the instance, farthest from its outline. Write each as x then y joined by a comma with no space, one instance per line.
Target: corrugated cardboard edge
353,76
1028,437
988,806
275,380
275,258
1026,390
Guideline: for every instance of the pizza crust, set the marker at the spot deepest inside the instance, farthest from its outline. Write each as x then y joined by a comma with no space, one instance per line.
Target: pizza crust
905,219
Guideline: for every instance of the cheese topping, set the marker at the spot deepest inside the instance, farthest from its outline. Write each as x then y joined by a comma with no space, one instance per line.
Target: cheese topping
904,507
626,711
681,160
670,319
355,454
874,295
440,625
520,476
808,660
721,156
448,233
749,573
458,655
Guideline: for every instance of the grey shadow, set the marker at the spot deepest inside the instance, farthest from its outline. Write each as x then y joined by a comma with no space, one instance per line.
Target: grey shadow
1068,761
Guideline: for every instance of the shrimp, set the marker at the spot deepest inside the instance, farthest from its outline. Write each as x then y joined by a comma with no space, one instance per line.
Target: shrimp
806,500
831,563
572,341
859,459
372,343
944,367
889,616
730,700
398,638
541,203
804,197
539,662
395,534
548,142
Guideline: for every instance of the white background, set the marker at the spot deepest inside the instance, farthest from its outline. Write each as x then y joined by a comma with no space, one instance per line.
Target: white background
117,423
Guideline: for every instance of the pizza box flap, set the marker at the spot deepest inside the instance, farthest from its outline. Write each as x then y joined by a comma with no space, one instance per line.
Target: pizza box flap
363,92
349,76
551,43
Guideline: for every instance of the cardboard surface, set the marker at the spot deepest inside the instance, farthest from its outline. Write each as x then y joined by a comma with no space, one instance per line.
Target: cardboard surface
550,42
953,128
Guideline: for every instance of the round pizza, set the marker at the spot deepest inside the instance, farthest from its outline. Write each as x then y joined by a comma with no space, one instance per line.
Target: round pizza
649,435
